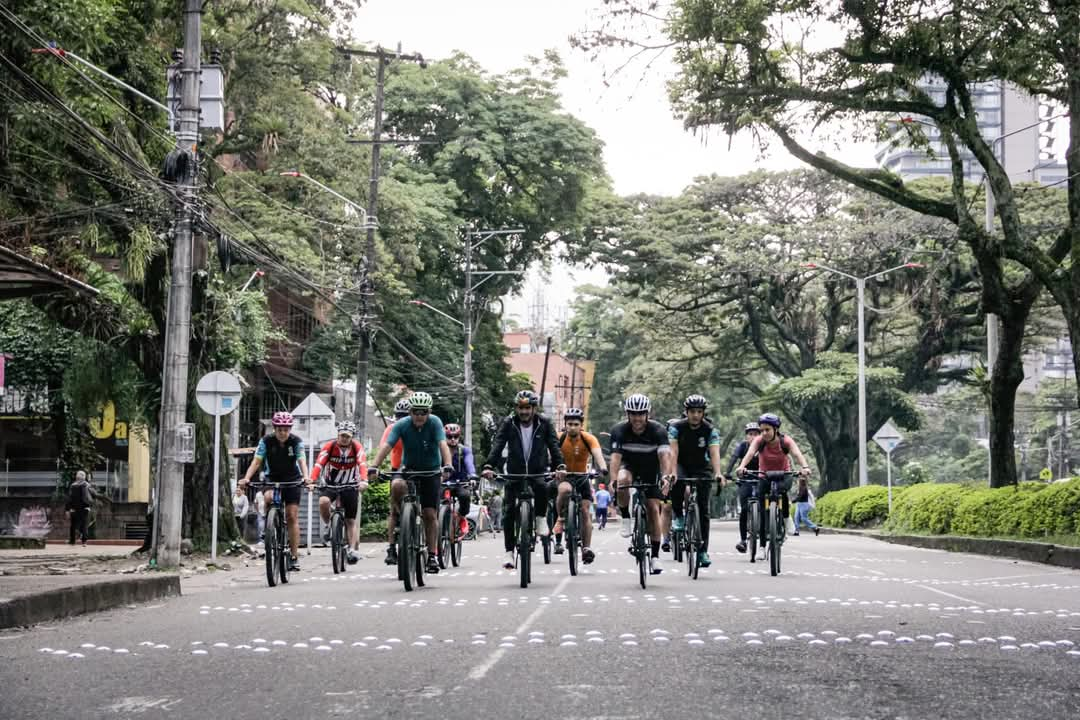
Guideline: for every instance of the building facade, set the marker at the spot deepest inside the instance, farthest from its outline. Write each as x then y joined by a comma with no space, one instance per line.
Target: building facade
568,382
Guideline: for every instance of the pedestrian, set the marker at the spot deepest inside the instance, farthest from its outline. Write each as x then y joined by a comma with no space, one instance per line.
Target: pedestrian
241,505
495,510
80,500
260,513
804,501
603,500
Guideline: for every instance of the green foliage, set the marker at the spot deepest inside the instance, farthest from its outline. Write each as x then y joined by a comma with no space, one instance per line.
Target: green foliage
926,508
997,511
915,473
1054,511
855,507
377,502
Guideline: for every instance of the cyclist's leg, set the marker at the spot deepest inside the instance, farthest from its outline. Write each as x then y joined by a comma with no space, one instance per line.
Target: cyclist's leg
704,491
763,493
652,504
325,500
429,488
745,491
398,488
509,517
464,503
622,492
349,499
540,501
562,500
586,515
291,497
678,497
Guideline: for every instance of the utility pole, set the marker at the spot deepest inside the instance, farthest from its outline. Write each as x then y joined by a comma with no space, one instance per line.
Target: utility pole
365,324
174,387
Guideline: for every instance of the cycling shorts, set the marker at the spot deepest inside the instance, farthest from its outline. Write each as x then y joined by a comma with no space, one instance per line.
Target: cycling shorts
350,499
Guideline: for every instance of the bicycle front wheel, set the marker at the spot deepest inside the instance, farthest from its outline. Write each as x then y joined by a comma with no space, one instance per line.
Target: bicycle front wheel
693,541
406,549
445,517
455,543
774,538
525,539
337,543
270,546
285,549
570,535
641,548
755,528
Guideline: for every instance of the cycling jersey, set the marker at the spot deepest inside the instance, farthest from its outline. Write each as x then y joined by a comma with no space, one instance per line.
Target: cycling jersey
694,444
640,453
344,462
396,452
281,461
577,451
773,457
420,444
461,458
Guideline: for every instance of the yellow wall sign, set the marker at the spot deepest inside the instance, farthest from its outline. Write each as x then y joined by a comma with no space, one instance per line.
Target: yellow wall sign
1046,475
103,426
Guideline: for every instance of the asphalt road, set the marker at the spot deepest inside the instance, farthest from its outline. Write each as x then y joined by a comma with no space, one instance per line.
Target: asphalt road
853,628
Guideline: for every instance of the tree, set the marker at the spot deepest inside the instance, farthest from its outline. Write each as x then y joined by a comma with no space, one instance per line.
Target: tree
752,66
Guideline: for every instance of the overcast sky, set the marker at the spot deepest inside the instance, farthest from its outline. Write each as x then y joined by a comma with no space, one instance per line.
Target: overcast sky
645,147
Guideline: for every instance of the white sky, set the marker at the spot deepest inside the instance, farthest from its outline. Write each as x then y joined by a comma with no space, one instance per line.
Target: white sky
645,147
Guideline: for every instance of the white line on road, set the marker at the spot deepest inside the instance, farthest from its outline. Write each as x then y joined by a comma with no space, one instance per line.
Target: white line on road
954,597
478,672
1021,577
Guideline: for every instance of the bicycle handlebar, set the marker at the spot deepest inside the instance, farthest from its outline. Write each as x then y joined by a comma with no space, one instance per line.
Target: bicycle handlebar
283,483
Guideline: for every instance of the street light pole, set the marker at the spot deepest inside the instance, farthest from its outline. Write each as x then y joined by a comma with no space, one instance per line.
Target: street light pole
860,286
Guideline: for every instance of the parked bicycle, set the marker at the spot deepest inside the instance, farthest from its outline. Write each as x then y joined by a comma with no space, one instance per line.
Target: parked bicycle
275,537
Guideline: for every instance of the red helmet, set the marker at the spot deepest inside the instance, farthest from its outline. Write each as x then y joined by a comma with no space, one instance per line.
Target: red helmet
282,419
453,429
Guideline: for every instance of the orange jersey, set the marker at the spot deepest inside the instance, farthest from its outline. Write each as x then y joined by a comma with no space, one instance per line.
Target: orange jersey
397,452
577,452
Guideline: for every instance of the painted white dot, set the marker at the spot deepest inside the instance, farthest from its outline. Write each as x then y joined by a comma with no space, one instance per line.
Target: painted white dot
783,638
879,643
627,636
695,641
385,647
817,642
630,642
479,642
280,643
161,647
842,640
754,641
750,635
1009,648
125,651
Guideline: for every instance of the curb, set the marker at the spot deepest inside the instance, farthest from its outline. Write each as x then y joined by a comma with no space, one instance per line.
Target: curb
15,542
1045,553
64,602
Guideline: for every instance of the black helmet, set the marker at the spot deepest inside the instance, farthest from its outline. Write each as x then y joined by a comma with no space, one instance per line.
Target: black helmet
696,402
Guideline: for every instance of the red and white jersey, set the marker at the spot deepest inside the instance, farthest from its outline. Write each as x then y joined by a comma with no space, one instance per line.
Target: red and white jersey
346,464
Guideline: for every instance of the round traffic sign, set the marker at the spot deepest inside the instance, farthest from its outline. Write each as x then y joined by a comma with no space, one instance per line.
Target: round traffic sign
218,393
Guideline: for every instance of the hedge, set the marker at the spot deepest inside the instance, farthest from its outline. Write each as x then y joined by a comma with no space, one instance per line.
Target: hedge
854,507
376,502
1030,510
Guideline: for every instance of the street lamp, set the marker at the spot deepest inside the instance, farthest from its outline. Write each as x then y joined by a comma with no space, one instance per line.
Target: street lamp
449,317
373,223
860,284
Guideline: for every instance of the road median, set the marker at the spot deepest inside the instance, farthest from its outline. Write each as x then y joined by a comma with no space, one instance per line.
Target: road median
28,600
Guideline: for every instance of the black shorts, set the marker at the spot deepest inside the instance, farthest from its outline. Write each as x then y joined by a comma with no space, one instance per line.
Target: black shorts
428,488
349,497
584,487
290,494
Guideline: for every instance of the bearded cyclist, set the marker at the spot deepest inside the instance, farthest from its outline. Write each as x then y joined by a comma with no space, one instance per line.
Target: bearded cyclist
283,454
345,464
464,465
639,453
695,446
772,449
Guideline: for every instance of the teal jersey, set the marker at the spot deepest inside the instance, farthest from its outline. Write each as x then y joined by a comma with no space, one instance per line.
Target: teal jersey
420,445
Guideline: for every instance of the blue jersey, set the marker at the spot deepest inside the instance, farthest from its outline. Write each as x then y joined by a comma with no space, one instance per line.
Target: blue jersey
603,499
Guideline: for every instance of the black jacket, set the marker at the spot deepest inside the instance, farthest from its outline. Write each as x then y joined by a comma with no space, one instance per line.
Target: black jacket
545,446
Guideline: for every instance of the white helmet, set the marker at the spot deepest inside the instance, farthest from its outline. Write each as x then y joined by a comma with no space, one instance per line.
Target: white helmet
637,403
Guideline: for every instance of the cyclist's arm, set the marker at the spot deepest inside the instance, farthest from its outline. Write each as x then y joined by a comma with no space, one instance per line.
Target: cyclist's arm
616,465
320,463
302,460
384,450
598,458
468,462
558,462
714,453
494,458
735,458
256,463
361,466
750,451
794,450
673,443
447,458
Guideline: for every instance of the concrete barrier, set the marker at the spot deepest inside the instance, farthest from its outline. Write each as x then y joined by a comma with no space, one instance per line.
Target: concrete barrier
78,598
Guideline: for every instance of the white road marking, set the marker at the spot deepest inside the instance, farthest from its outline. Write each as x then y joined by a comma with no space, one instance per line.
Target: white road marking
954,597
478,672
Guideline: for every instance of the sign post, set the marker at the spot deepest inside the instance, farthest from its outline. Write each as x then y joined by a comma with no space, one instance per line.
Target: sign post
218,393
888,437
316,424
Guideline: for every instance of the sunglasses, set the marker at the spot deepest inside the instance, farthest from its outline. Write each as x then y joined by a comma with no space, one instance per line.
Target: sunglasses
453,437
420,412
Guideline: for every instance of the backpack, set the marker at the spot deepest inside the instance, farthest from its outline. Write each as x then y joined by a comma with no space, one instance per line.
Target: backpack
783,442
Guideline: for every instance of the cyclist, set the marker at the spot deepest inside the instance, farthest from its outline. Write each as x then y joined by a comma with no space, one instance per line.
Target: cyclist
401,411
347,465
283,454
532,447
695,446
746,490
772,449
423,442
665,503
464,468
639,452
578,447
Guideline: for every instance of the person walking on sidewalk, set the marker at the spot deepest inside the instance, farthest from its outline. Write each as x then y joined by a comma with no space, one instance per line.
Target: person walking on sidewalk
240,506
804,498
495,508
80,500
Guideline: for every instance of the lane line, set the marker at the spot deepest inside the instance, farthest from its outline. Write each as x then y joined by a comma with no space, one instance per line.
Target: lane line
1020,577
954,597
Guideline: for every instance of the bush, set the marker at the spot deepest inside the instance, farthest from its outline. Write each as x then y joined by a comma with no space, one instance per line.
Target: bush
373,530
376,502
927,507
854,507
997,511
1053,511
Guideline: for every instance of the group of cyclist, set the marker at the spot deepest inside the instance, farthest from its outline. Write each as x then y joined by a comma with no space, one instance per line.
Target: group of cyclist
662,462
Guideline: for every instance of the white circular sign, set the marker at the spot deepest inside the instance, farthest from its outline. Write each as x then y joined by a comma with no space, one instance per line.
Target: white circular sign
218,393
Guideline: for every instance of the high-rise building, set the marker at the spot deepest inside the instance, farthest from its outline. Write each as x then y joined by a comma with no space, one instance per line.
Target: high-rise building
1029,155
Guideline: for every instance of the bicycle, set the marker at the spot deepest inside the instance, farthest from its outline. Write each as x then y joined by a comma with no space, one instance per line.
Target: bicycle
339,542
687,543
574,519
274,535
640,546
450,536
526,539
411,539
776,526
754,510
